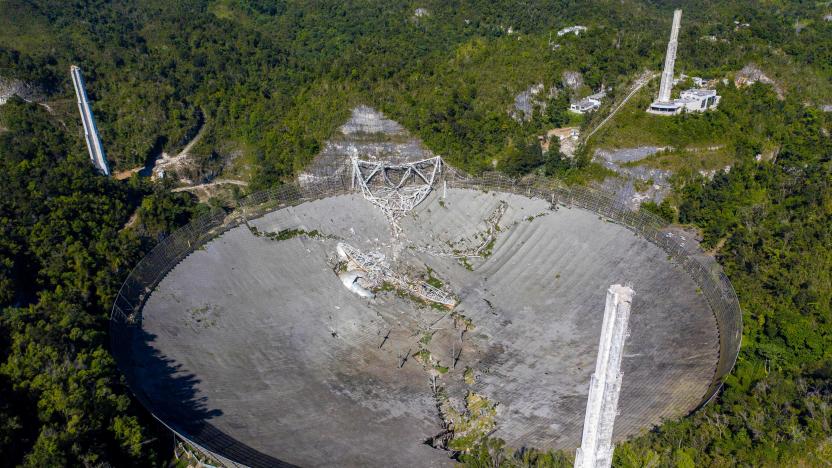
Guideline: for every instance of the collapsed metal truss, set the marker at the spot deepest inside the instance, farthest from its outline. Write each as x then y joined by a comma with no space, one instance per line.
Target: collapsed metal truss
377,271
395,188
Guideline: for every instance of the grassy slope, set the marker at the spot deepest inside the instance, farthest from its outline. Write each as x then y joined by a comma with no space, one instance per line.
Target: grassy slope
699,141
24,29
632,126
704,159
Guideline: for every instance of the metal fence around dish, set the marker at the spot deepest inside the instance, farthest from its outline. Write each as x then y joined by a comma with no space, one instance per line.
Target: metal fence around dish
126,314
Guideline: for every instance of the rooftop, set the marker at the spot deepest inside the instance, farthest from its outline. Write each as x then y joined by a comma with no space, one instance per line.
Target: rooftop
698,92
577,29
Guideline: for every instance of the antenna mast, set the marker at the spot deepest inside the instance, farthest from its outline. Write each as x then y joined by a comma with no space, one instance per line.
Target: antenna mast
670,59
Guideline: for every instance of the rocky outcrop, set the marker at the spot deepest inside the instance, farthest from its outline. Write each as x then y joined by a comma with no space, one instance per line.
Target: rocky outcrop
10,87
369,135
368,121
573,80
525,102
751,74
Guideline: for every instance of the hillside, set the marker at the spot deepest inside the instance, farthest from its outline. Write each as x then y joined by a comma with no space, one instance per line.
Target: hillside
266,86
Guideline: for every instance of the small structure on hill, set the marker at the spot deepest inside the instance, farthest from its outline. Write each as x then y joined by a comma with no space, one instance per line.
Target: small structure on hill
587,104
584,105
691,100
700,82
576,30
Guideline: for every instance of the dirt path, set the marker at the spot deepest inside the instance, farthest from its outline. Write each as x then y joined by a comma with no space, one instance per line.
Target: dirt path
167,162
211,184
193,141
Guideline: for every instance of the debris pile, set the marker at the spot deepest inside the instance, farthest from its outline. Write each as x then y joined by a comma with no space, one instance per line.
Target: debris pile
362,272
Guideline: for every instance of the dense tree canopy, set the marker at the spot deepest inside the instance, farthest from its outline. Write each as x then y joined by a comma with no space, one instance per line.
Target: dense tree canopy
273,79
267,82
772,221
64,252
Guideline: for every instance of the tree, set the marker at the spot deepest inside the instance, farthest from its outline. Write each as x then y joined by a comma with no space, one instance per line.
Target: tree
555,163
57,358
62,401
523,160
557,110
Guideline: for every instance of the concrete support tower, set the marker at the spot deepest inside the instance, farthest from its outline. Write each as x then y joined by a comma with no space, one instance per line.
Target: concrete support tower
605,385
99,159
670,59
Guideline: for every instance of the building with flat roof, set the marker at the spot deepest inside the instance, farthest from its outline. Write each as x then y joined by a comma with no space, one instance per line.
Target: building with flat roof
691,100
699,99
576,30
585,105
589,103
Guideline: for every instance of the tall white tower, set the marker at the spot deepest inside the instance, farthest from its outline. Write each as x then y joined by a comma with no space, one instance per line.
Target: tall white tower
94,146
670,59
605,384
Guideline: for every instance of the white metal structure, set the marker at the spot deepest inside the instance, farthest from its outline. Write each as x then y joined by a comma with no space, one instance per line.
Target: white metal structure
692,100
99,159
395,188
605,384
663,105
377,271
670,59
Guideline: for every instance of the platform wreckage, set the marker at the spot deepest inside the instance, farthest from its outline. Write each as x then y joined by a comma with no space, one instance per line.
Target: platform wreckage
395,188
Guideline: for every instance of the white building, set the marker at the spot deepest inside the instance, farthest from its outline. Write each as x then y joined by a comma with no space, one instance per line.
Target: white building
589,103
699,99
585,105
576,30
692,100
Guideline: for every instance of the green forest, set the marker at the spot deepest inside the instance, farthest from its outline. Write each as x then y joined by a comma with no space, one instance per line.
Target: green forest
268,82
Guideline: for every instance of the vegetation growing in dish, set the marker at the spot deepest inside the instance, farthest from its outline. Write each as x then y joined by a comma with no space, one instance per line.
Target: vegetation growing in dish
273,80
285,234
